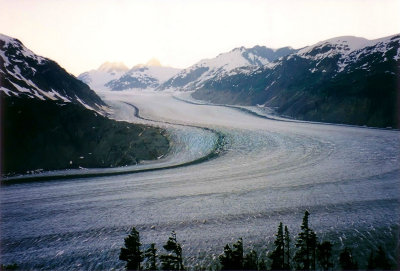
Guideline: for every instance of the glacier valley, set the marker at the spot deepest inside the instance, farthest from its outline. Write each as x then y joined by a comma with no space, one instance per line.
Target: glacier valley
268,170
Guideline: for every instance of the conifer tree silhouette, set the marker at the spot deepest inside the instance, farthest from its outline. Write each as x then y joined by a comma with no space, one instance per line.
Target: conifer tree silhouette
232,259
131,253
278,254
378,261
150,255
250,261
324,255
346,260
287,241
306,246
173,260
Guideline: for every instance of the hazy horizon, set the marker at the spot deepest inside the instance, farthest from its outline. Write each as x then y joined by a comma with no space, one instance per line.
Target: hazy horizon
81,35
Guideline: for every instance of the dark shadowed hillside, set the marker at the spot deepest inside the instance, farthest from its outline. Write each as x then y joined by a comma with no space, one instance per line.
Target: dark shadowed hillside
52,135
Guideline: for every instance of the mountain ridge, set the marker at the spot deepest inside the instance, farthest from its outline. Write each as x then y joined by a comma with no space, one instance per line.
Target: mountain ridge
194,76
329,81
25,74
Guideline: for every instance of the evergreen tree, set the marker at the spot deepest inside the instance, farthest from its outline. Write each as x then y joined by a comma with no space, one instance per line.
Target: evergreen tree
250,261
9,267
287,249
237,253
151,257
173,260
232,259
346,260
306,246
324,255
381,260
262,265
313,247
226,258
371,261
378,261
278,254
131,253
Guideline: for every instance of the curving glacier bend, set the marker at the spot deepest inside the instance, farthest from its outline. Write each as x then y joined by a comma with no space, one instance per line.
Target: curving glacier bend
270,171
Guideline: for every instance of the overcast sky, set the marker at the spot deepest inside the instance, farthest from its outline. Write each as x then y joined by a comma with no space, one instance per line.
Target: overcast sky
82,34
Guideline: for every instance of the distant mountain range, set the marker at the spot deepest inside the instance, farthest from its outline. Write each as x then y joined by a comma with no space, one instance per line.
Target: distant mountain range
343,80
51,120
153,75
142,76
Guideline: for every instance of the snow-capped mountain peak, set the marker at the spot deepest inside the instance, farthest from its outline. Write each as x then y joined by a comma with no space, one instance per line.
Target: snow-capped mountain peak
343,45
107,71
348,49
153,62
227,61
150,75
113,67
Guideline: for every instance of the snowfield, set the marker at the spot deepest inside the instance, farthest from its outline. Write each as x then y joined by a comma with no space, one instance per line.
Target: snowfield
269,171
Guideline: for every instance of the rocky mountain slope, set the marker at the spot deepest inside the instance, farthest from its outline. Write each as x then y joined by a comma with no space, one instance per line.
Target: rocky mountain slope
345,80
239,60
24,74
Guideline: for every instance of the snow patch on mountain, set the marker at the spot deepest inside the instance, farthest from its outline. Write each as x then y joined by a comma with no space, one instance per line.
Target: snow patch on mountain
347,49
378,46
21,50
